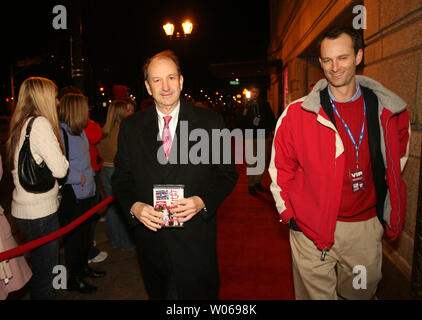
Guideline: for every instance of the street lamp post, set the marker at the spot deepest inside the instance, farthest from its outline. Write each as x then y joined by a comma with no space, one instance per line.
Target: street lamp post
76,58
169,29
187,27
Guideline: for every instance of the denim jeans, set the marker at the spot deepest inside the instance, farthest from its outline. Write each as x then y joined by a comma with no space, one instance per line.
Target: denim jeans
118,232
43,258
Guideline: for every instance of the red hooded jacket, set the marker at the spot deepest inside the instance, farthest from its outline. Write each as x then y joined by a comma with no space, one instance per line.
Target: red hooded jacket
94,134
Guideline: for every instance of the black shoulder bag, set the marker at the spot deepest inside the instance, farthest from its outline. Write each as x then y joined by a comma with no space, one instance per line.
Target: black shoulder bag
68,199
33,177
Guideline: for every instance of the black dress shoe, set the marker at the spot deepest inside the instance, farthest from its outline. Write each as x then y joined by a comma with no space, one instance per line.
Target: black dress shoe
91,273
76,283
252,190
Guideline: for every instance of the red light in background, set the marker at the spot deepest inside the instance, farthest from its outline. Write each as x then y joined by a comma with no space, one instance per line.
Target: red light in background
7,100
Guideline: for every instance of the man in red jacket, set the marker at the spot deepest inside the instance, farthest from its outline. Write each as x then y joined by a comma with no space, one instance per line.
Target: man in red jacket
336,166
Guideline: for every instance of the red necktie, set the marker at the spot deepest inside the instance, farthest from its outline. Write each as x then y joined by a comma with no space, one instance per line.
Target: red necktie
167,136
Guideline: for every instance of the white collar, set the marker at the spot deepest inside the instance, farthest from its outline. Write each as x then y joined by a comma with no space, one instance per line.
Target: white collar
174,117
174,114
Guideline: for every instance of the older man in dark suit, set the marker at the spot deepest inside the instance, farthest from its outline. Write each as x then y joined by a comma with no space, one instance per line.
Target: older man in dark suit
176,263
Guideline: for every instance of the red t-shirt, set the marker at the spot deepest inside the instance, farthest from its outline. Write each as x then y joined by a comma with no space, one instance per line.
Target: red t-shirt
360,205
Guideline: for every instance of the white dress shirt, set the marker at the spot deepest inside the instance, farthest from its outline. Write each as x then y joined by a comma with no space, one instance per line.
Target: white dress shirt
173,122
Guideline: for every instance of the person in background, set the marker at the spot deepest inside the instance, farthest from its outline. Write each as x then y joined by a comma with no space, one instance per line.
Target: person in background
35,213
146,103
118,232
94,134
73,115
257,114
131,106
15,272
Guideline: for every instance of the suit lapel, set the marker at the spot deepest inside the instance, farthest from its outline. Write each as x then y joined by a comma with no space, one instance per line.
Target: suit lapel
148,138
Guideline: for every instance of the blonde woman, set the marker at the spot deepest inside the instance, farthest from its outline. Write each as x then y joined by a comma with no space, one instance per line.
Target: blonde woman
35,213
73,115
118,232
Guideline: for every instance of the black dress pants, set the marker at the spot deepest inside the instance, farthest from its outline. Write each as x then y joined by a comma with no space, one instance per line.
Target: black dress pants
77,242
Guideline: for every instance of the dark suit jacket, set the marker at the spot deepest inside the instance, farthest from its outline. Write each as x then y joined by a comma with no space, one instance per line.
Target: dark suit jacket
187,255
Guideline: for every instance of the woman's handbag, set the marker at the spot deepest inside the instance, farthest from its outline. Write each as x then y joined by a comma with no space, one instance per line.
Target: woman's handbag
33,177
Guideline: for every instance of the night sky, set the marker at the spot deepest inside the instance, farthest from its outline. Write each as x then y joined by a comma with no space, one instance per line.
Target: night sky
118,36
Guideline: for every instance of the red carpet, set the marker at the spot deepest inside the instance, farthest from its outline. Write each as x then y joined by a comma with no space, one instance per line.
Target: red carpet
253,247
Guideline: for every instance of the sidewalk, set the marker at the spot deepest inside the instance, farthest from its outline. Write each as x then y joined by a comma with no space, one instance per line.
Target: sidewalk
123,280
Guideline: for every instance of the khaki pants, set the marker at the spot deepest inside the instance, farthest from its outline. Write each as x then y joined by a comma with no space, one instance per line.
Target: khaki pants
357,245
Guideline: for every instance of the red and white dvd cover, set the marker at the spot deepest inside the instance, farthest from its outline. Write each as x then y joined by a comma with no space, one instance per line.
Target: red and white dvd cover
163,196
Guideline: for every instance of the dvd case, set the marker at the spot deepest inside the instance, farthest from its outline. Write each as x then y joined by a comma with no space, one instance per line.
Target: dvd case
163,196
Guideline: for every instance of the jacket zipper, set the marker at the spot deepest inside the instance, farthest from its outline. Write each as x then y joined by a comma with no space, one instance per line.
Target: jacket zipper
324,251
394,174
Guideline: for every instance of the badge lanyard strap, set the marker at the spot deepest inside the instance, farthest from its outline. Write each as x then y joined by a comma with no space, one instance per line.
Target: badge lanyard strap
256,109
362,131
257,112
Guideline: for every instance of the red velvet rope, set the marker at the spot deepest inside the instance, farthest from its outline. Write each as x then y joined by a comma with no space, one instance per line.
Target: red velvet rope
6,255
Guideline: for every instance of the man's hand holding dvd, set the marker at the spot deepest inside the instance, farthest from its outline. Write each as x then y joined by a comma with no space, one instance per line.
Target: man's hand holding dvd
186,208
147,215
170,210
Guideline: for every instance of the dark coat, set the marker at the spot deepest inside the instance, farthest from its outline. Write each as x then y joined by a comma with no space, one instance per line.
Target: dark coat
189,254
267,122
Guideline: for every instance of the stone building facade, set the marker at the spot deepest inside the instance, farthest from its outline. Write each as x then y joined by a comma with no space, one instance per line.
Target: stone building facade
392,56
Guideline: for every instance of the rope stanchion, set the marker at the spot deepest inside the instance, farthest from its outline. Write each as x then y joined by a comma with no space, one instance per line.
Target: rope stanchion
5,255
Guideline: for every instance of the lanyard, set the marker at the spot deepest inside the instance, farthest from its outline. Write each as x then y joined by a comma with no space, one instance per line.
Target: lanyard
362,131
